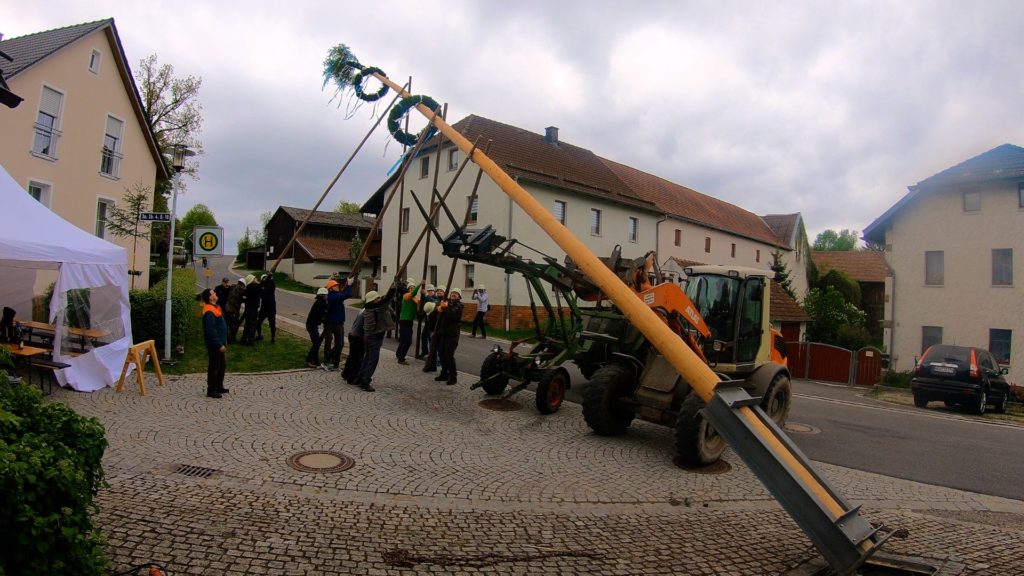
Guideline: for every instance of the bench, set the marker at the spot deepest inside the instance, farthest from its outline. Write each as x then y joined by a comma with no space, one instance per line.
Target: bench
49,366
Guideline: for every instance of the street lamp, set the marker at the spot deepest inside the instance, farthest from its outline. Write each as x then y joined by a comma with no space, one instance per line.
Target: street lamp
178,154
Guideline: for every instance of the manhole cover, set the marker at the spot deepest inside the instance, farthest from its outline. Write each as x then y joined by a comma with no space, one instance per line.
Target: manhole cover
716,467
500,404
320,461
801,428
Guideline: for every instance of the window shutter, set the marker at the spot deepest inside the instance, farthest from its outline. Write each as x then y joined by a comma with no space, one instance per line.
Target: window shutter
114,127
51,102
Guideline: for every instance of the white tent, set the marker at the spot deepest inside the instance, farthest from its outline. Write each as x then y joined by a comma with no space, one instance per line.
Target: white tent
90,293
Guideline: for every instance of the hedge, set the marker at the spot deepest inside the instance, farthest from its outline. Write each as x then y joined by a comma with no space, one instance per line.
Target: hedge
50,471
148,308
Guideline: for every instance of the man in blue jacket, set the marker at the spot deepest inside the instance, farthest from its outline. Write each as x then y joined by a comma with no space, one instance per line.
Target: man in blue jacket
334,325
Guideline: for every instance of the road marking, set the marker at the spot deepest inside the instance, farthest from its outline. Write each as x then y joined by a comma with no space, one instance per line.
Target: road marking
918,412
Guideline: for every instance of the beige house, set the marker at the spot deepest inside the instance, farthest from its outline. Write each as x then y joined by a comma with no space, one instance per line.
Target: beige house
950,243
79,140
604,203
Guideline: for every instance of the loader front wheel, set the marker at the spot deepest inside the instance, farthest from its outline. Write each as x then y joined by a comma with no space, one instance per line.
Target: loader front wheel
777,399
697,441
493,365
602,410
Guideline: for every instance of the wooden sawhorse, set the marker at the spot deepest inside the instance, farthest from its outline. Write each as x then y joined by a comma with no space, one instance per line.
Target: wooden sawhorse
137,355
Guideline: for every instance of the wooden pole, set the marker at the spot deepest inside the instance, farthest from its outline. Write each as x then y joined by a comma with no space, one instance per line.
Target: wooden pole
401,197
469,209
700,376
323,196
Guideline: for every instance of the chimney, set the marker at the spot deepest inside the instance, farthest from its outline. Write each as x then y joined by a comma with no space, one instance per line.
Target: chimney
551,135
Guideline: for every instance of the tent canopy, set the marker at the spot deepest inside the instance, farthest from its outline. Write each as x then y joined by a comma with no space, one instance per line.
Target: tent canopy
92,284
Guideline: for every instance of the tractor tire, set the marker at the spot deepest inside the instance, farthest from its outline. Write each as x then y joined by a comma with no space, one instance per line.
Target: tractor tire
601,408
493,364
697,441
551,390
777,399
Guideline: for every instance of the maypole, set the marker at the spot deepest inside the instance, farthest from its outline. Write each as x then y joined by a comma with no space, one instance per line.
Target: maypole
844,538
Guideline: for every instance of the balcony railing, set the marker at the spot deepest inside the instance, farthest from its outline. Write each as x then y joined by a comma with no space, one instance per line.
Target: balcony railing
110,162
46,140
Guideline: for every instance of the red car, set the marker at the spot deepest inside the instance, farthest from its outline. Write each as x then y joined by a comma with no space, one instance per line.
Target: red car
960,376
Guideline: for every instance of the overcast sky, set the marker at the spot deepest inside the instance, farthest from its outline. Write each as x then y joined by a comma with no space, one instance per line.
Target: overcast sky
827,108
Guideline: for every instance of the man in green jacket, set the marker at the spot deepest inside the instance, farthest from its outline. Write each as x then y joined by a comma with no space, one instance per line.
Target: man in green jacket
407,315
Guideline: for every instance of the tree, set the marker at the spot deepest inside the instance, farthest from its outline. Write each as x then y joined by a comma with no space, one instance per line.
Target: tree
834,320
832,241
174,114
124,222
345,207
354,249
198,215
782,273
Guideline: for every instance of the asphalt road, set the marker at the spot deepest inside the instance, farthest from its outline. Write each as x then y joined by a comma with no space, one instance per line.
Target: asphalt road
933,446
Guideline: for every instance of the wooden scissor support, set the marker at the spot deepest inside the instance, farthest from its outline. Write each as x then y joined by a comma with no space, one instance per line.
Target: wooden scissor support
138,354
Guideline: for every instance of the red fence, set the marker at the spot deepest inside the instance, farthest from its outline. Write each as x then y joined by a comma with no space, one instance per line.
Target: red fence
816,361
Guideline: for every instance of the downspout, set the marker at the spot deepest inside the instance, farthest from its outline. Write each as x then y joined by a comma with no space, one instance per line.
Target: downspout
657,236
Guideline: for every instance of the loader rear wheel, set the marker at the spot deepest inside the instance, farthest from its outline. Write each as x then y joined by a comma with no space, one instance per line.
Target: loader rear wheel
551,391
602,409
777,399
697,441
493,364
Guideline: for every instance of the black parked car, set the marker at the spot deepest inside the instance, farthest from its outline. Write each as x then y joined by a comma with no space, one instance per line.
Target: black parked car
960,376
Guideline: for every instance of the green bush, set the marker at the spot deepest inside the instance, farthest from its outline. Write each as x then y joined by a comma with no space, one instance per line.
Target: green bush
894,379
156,274
50,472
148,308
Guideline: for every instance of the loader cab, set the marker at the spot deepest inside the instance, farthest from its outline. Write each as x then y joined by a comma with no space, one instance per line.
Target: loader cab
733,302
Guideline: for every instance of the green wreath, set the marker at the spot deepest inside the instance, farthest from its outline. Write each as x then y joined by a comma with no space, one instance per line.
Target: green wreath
399,111
357,82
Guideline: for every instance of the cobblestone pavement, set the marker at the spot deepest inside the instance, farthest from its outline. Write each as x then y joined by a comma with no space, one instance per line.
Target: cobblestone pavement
441,485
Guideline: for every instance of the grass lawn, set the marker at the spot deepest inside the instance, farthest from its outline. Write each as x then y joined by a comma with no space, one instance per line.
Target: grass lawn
287,353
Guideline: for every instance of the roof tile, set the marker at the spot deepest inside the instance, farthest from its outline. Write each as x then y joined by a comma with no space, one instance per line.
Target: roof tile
861,265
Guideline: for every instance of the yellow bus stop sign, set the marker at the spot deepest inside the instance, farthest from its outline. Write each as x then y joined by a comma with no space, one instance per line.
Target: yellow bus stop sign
209,241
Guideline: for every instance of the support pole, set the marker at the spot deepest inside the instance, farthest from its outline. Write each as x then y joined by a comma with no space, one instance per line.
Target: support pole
329,187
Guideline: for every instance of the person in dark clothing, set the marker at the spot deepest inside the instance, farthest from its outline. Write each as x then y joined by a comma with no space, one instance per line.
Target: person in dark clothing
334,325
253,295
232,307
268,307
222,291
355,351
7,330
378,318
423,338
215,335
449,327
315,318
433,357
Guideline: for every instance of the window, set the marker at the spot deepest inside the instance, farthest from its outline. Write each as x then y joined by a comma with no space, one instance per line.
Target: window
707,244
470,275
634,226
48,123
111,160
560,211
474,205
424,167
1020,195
732,251
934,269
432,275
1002,267
40,191
94,61
679,237
930,336
757,256
972,201
999,344
453,159
103,207
595,222
405,220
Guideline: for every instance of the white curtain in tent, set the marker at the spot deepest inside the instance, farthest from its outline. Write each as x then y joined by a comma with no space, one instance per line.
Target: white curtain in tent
89,309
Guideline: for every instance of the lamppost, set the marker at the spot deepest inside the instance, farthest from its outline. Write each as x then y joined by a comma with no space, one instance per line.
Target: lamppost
178,155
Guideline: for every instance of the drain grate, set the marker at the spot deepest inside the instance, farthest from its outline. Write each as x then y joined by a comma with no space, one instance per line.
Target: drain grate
195,471
500,404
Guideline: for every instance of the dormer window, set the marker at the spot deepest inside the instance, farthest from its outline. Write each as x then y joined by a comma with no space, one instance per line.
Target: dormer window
94,61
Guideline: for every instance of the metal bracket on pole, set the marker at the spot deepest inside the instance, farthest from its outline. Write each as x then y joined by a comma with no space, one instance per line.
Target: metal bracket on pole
846,541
